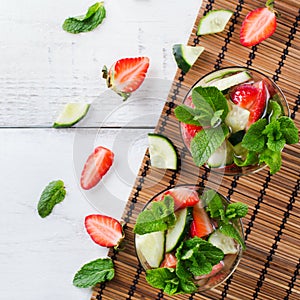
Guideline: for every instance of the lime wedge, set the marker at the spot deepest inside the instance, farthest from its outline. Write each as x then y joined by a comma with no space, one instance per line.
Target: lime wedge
214,21
71,114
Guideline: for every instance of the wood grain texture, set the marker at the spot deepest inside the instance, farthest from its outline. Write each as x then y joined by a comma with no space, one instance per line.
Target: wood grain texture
269,268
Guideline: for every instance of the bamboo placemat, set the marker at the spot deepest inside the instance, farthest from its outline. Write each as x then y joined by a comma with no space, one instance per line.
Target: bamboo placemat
270,266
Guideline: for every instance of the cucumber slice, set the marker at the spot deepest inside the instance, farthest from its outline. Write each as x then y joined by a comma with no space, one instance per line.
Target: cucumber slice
227,82
71,114
176,234
151,247
186,56
163,154
223,242
221,157
221,73
237,118
214,21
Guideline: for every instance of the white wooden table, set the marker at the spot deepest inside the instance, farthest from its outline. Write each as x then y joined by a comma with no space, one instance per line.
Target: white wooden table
42,68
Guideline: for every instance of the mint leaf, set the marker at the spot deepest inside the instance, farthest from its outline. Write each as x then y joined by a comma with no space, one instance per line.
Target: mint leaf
289,130
99,270
196,257
214,204
216,119
254,139
158,217
187,115
250,159
236,210
187,286
274,110
276,141
94,16
206,142
272,159
53,194
211,99
229,230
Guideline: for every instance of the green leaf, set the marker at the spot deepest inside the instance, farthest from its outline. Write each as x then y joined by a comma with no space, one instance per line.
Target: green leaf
289,130
99,270
274,110
216,119
250,159
206,142
272,159
163,278
186,114
187,286
211,98
254,139
53,194
214,204
229,230
236,210
158,217
94,16
276,141
196,257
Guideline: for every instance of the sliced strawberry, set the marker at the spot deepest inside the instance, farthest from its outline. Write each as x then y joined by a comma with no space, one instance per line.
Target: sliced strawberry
96,166
253,97
183,197
188,132
104,231
215,269
201,225
169,261
126,75
258,25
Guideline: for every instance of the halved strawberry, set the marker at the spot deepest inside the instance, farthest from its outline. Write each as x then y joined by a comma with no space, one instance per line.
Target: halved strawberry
201,225
126,75
169,261
258,25
189,131
104,231
183,197
253,97
96,166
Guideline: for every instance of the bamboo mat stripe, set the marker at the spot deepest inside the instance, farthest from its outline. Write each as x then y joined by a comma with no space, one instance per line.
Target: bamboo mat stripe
267,263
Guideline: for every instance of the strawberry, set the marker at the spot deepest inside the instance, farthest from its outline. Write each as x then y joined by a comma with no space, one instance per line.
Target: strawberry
189,131
104,231
258,25
201,225
183,197
170,261
252,97
96,166
126,75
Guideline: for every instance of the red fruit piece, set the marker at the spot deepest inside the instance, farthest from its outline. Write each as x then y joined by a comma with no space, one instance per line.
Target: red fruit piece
252,97
201,225
104,231
126,75
96,166
188,132
183,197
169,261
258,25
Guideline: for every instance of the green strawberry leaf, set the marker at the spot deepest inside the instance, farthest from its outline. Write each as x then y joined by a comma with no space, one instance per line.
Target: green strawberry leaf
53,194
99,270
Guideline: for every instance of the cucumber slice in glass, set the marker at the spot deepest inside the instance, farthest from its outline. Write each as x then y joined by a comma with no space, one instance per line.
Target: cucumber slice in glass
151,246
214,21
71,114
223,242
221,157
186,56
163,154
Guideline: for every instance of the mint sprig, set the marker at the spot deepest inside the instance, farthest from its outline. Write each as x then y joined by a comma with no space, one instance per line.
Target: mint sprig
158,217
99,270
94,17
53,194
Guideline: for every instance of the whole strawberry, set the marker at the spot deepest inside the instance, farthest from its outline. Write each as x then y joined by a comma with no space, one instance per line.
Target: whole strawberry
258,25
126,75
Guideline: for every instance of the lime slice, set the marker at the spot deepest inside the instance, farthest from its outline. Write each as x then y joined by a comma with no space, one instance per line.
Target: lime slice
214,21
163,154
186,56
71,114
223,242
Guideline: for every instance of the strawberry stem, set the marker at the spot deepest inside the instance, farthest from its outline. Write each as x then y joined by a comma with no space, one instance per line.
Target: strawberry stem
104,72
270,4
